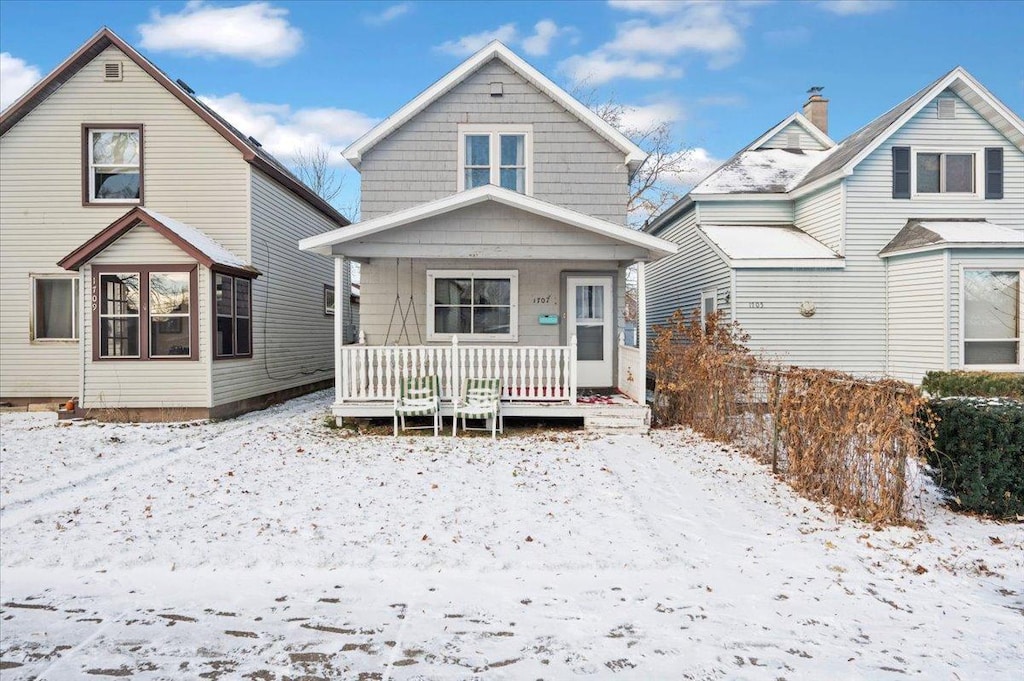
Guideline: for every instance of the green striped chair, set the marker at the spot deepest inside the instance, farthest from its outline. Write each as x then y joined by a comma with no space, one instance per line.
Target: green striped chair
481,399
418,396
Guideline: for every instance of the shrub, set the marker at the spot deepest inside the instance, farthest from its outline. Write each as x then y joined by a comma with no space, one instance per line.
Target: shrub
978,453
973,384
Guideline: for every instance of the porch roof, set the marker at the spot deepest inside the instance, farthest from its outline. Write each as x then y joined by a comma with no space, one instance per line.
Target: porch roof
623,243
931,234
768,246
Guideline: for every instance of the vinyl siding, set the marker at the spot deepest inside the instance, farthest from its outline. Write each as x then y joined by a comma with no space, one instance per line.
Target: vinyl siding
992,259
745,212
191,174
821,215
917,315
292,338
676,282
148,383
573,166
780,140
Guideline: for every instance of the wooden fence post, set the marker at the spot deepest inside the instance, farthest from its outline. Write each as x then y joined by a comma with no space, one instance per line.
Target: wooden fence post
776,408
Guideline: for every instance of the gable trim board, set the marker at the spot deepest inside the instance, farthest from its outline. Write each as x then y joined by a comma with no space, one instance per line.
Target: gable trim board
104,38
634,155
768,247
323,243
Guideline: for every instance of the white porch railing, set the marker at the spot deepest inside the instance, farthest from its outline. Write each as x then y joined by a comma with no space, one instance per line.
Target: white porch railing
631,371
527,373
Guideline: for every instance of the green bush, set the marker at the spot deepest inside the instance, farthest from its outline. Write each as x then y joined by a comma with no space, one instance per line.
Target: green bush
973,384
978,453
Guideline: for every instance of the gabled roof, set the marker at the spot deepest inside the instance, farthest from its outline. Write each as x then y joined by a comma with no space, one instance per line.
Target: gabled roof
920,235
800,120
635,156
205,250
768,246
760,171
322,243
251,151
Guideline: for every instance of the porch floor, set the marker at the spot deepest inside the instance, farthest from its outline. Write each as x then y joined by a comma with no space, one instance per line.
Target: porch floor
611,412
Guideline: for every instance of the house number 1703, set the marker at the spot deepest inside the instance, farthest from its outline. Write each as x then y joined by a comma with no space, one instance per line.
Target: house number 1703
756,305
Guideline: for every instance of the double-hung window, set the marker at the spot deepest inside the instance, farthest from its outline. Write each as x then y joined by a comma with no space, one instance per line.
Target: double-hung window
495,154
472,304
54,308
233,310
992,317
112,164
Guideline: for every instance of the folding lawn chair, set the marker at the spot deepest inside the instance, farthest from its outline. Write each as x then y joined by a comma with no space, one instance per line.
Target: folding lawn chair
481,399
419,396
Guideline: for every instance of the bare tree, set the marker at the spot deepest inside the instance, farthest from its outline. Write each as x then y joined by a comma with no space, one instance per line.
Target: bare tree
313,167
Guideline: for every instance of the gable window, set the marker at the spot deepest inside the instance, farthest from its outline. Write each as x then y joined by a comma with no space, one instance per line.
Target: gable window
472,304
992,317
233,311
498,155
112,164
328,300
145,312
54,308
939,173
708,306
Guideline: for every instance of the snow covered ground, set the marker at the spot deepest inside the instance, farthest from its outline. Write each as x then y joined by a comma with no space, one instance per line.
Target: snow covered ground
272,547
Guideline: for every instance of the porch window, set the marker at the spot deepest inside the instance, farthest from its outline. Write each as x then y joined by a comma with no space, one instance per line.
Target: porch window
498,155
233,311
112,164
472,304
55,308
992,316
945,173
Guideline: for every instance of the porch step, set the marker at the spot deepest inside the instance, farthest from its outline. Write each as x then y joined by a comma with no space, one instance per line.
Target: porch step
619,420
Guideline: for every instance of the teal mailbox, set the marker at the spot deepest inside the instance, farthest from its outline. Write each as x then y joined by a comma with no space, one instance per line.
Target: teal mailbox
547,319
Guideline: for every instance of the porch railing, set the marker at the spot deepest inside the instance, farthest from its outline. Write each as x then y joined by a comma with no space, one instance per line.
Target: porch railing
528,373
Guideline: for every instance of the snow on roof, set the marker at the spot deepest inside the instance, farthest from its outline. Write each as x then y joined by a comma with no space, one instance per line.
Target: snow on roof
761,171
767,242
213,250
928,234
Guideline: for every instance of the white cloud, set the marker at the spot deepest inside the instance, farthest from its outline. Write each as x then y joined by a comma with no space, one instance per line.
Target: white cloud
539,44
649,115
255,32
852,7
712,29
468,44
284,132
16,77
656,7
388,15
598,68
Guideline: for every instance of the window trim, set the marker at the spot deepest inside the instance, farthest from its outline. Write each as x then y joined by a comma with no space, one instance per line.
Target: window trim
329,310
76,308
494,132
87,130
144,272
513,322
217,357
979,174
962,329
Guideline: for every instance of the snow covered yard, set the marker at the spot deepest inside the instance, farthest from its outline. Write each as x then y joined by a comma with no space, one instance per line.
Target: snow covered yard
272,547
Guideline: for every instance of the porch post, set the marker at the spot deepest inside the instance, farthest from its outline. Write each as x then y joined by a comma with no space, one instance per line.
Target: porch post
339,326
641,328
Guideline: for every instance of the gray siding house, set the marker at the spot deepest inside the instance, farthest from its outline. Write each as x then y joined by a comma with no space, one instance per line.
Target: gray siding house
147,250
493,243
894,252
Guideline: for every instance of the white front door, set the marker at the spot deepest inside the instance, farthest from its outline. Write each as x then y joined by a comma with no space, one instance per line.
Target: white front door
589,311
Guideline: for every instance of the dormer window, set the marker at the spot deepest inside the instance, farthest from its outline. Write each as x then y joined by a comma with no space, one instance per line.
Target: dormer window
495,154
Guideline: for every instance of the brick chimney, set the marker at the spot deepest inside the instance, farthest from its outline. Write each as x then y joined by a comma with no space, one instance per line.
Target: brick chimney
816,108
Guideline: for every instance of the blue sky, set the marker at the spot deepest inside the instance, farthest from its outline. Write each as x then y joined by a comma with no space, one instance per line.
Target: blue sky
296,74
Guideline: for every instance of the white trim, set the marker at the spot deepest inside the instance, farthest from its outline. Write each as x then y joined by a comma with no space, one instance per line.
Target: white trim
732,295
634,155
963,245
800,120
339,330
744,196
962,331
494,133
843,192
641,326
513,320
323,243
595,373
76,299
946,308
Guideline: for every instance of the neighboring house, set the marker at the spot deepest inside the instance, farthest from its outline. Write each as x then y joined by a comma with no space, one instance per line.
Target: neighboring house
147,250
493,242
897,251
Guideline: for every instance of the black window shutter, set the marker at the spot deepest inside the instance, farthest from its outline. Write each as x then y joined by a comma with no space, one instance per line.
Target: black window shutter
901,172
994,173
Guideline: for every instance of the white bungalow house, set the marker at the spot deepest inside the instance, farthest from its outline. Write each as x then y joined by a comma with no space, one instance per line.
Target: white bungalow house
894,252
494,244
147,250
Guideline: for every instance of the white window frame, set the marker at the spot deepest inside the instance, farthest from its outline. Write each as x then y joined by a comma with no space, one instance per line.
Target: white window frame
705,295
962,330
92,165
76,301
513,322
979,174
494,133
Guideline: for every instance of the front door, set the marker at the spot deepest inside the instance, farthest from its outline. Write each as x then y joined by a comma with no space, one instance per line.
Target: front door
589,312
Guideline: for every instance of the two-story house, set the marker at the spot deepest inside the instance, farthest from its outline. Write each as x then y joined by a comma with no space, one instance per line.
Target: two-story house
493,243
894,252
147,250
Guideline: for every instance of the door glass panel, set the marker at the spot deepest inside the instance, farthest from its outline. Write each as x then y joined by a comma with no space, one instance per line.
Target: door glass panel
589,303
590,343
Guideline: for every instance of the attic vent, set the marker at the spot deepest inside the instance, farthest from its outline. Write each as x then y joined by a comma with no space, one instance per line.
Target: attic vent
255,141
497,89
947,108
112,71
792,140
184,86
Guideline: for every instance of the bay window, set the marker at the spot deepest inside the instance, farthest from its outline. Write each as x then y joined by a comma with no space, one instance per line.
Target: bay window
232,304
55,308
112,164
472,304
991,317
495,154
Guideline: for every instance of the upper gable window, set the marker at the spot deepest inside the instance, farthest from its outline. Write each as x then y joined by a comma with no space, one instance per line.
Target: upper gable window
495,154
945,173
112,162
